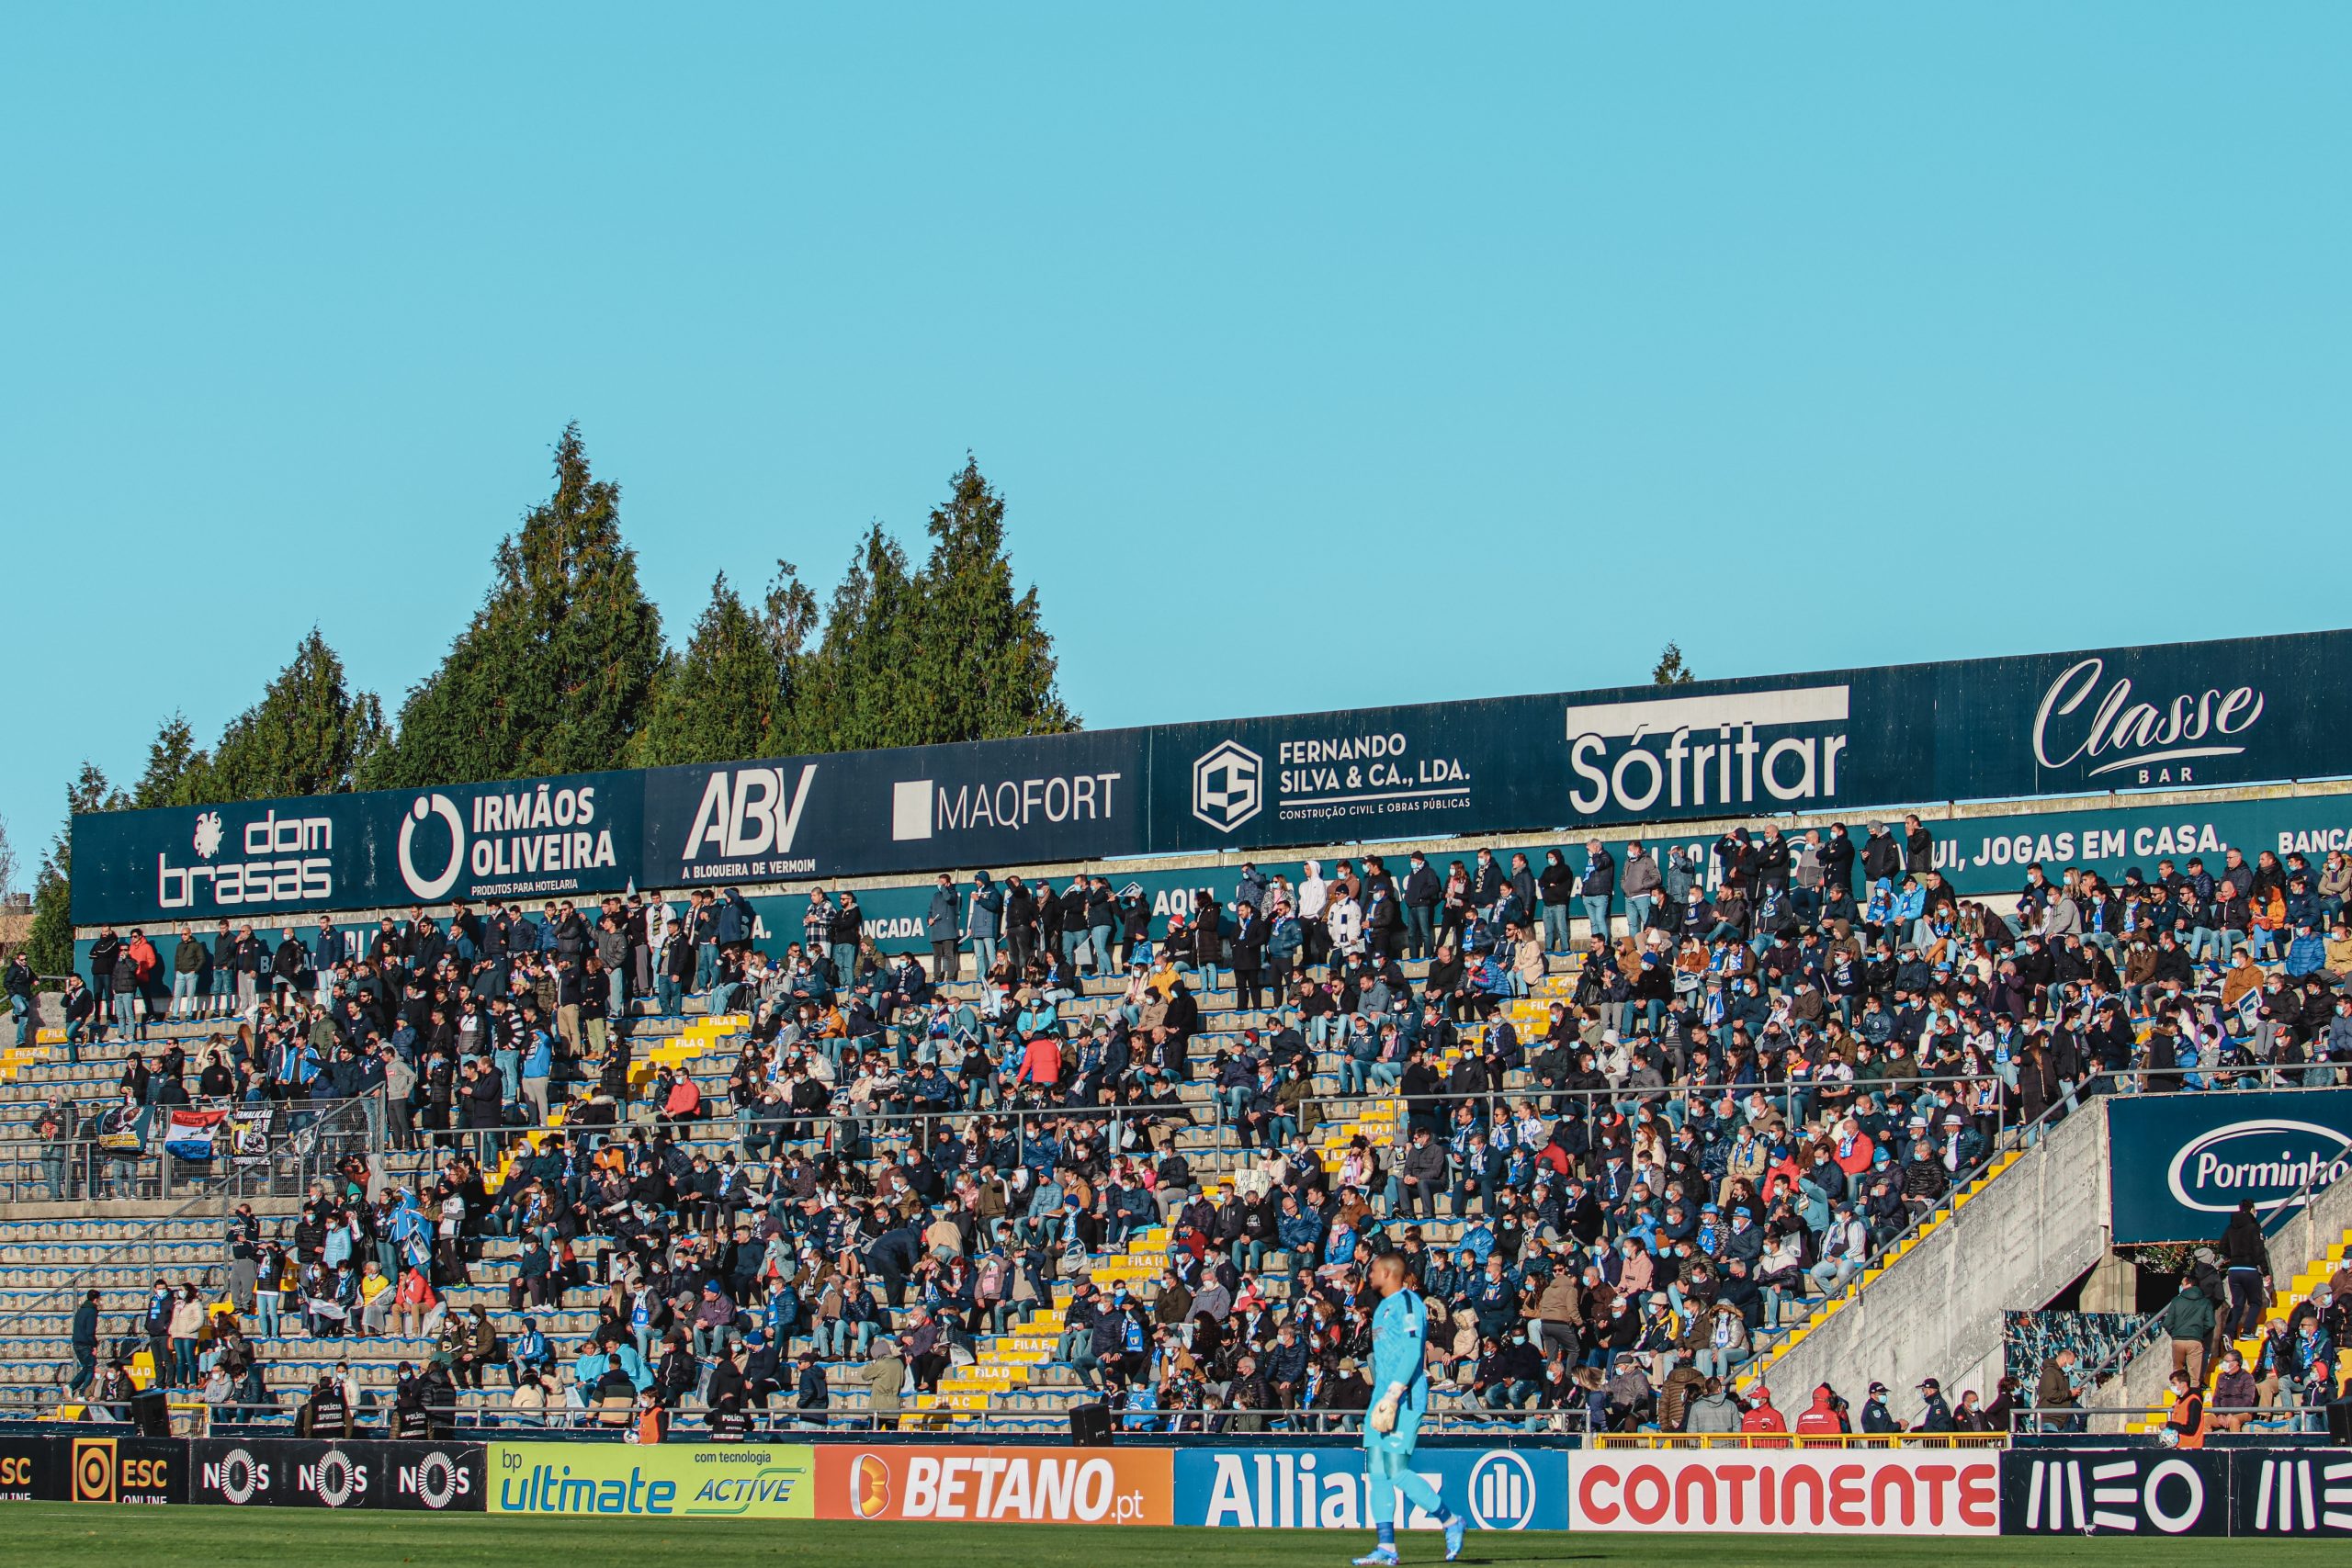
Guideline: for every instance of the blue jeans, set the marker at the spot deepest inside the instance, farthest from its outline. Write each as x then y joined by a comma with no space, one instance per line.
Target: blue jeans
1355,1074
705,965
1420,930
1555,927
665,994
984,953
1637,912
1596,910
833,1334
845,955
126,1014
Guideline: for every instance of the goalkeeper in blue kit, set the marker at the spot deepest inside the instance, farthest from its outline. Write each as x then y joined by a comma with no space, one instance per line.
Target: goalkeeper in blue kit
1400,1395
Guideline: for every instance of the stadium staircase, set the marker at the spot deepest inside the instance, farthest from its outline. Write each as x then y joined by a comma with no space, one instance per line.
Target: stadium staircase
696,1041
2317,1271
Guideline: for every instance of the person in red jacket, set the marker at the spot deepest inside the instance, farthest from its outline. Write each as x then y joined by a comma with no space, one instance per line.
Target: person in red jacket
1762,1418
1821,1418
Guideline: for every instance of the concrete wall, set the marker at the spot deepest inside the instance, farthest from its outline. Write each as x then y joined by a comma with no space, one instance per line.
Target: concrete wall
1937,1313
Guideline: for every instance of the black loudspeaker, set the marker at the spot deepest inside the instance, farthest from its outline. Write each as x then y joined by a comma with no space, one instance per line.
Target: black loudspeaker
1090,1425
2339,1422
150,1412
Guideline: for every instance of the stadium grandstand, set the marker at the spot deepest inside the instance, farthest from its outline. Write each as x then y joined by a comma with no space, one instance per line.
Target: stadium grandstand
1653,1119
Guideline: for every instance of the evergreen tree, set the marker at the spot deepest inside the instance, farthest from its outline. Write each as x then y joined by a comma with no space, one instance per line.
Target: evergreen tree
555,671
178,769
1670,670
725,698
50,948
309,734
852,688
983,663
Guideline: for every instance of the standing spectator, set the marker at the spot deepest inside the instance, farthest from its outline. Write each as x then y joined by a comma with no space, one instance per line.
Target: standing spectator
1598,886
85,1344
2189,1320
941,928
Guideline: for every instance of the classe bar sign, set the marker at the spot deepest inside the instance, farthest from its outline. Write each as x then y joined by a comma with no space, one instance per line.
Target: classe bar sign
2181,714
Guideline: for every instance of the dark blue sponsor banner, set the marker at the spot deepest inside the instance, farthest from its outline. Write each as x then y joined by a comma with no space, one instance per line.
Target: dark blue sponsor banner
2182,716
1326,1488
264,862
2180,1164
2085,1491
2276,1492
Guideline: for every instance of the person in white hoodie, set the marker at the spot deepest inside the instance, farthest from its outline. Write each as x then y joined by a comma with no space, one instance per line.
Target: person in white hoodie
1314,895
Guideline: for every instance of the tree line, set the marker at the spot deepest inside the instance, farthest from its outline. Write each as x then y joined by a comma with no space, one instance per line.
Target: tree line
564,669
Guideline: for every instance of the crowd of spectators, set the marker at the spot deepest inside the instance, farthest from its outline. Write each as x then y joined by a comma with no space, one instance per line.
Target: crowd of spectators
1751,1071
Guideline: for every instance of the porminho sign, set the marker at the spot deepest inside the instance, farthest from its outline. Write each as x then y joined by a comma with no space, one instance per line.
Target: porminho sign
2188,715
2180,1164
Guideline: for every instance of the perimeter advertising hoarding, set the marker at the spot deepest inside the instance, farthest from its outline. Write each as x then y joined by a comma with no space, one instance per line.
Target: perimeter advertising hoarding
29,1469
1326,1488
126,1470
2152,1490
2189,715
2178,1165
1022,1485
768,1480
1778,1491
315,1474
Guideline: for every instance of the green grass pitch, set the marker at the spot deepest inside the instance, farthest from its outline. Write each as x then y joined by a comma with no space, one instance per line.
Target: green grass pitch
68,1534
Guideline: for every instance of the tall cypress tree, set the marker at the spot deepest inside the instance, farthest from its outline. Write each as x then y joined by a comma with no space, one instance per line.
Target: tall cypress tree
727,696
309,734
177,768
852,691
983,663
50,947
554,674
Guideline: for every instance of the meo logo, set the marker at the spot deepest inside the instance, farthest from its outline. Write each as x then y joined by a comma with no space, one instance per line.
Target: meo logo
1228,785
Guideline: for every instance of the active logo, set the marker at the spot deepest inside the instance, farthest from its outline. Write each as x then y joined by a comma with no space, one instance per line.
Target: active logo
1228,785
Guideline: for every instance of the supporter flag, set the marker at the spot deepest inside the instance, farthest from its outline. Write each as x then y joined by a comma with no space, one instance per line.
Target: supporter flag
190,1133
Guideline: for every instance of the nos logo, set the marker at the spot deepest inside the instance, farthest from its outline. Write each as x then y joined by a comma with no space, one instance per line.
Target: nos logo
436,1481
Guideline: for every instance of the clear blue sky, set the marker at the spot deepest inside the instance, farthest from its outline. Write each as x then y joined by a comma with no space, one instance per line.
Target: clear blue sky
1327,355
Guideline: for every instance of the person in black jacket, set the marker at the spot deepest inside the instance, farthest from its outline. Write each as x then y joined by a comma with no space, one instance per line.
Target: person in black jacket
1420,899
1837,860
85,1344
2247,1259
1246,949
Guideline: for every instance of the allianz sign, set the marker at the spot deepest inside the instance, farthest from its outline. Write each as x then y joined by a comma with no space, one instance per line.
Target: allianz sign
2269,1159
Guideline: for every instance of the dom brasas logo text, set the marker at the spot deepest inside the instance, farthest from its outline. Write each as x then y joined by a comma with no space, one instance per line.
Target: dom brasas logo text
287,860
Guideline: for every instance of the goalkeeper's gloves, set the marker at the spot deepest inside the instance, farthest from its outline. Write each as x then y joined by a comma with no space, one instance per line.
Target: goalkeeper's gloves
1383,1414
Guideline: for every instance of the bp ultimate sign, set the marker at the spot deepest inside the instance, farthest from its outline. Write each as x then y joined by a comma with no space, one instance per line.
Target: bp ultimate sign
2183,714
2180,1164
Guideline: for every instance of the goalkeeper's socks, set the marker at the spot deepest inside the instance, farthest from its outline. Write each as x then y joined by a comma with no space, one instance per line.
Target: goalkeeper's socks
1387,1529
1444,1514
